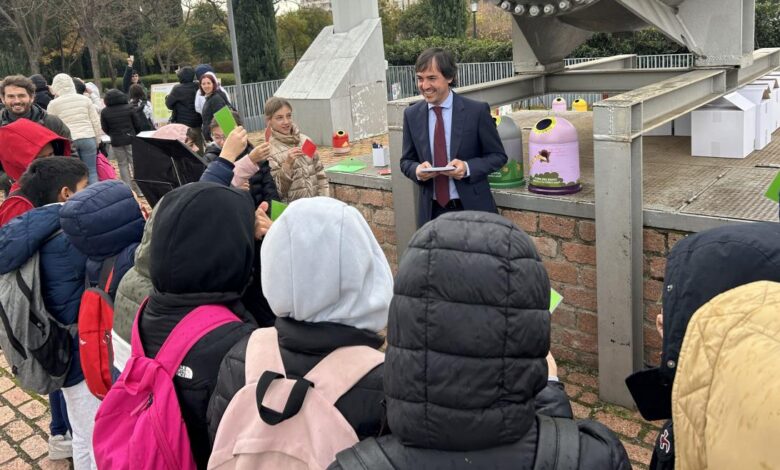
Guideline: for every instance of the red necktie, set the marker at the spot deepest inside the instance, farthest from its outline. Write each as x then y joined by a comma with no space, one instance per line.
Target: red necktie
441,183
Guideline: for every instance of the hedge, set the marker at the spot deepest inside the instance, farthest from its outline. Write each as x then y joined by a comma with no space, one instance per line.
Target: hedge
405,52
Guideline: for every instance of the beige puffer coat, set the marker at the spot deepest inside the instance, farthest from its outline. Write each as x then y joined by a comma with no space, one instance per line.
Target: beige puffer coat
726,394
307,178
76,111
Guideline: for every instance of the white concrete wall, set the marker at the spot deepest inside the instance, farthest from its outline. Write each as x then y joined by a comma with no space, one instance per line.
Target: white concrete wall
339,83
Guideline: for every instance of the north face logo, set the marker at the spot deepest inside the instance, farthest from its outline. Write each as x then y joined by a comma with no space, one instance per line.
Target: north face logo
184,372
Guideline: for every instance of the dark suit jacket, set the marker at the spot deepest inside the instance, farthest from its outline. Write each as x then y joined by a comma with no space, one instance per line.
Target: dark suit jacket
473,139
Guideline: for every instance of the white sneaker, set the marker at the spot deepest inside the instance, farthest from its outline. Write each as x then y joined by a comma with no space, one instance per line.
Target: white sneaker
60,447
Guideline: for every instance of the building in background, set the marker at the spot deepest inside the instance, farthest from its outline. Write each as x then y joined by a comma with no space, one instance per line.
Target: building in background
324,4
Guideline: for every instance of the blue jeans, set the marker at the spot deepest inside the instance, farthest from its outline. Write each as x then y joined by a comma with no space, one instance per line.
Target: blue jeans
59,414
87,149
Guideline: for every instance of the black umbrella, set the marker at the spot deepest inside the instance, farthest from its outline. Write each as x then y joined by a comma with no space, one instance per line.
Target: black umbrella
163,164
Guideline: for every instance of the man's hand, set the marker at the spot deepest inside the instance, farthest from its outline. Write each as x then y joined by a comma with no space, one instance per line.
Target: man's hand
659,325
459,172
130,61
421,175
262,221
260,153
234,144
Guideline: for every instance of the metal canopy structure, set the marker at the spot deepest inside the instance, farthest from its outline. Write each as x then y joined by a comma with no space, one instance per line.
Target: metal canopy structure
650,98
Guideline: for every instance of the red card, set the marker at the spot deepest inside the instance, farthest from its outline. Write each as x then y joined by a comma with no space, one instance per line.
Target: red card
308,148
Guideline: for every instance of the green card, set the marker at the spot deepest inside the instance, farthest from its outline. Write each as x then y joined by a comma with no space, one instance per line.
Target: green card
347,166
277,208
225,120
773,192
555,300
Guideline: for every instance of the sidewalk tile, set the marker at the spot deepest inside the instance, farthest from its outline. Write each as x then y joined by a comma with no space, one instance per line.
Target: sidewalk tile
35,446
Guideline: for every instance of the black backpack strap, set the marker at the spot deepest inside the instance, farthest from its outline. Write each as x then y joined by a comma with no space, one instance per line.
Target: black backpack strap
294,402
558,446
365,455
107,275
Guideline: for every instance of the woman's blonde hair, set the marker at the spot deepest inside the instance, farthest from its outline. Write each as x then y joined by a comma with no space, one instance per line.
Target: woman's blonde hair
274,104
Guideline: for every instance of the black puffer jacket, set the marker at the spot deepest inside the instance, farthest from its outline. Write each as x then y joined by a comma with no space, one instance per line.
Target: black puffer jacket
214,103
42,93
216,223
118,119
468,334
303,345
181,100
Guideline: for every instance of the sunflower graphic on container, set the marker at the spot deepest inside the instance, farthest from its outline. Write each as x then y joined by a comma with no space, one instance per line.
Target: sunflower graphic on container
554,157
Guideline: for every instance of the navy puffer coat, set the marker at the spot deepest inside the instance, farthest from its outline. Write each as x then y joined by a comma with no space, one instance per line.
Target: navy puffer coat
101,221
61,267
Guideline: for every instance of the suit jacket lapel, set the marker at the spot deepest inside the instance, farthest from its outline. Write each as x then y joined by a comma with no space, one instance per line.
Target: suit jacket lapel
427,155
458,120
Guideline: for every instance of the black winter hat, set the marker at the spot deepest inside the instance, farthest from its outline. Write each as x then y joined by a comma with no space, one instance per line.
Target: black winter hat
203,240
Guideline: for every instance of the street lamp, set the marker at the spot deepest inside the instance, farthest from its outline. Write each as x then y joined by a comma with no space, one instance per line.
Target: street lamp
474,7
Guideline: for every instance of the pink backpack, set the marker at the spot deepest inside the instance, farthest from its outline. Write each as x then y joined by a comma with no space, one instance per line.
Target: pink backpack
105,170
310,430
139,424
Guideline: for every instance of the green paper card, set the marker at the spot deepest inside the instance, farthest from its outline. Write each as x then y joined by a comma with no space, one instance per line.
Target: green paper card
773,192
277,208
555,300
225,120
347,166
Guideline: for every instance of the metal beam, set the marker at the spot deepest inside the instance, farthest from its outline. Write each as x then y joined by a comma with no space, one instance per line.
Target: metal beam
764,61
618,124
661,102
616,62
507,90
606,80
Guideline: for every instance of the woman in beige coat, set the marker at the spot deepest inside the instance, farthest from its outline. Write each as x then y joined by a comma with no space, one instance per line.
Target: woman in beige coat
295,174
79,114
725,398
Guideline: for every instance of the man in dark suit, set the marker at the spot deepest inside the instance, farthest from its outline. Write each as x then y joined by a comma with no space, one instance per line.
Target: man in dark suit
447,130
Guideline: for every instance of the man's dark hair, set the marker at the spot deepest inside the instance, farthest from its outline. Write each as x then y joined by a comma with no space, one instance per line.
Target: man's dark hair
45,177
17,80
445,62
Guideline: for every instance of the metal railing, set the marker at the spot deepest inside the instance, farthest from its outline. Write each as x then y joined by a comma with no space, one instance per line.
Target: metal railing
253,101
401,83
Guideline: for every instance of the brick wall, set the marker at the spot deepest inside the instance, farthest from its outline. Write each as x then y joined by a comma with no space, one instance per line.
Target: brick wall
567,246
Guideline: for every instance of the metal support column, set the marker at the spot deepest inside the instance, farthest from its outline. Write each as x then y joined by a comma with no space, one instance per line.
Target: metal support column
236,65
618,181
618,125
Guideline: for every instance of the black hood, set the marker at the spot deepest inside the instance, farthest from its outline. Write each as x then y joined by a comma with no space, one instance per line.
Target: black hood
468,333
202,240
699,268
114,97
186,75
40,82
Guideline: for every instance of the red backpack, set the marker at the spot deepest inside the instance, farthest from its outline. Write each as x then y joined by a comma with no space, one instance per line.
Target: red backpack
96,319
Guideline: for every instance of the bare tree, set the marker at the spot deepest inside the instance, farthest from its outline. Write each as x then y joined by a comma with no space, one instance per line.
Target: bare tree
95,20
29,19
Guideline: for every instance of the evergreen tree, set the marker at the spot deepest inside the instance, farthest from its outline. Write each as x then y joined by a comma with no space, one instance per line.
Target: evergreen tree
449,18
258,48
